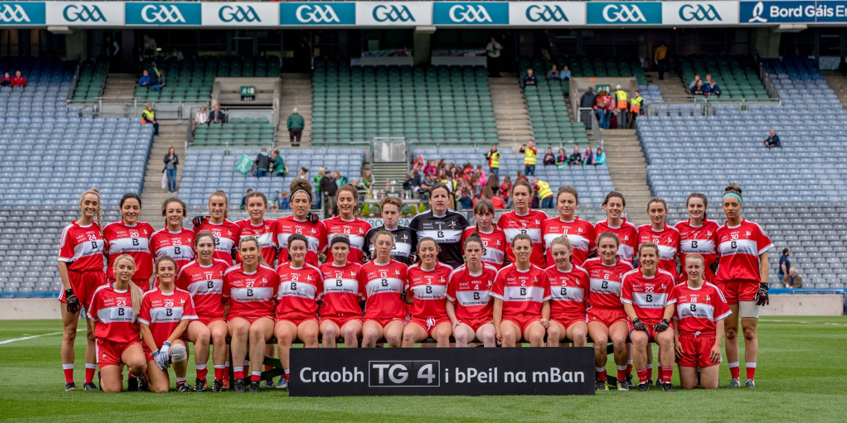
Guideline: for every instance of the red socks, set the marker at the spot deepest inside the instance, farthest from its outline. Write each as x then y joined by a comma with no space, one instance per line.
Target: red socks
734,370
219,372
202,371
238,373
661,373
256,376
69,372
286,375
667,372
643,375
601,373
622,374
751,370
89,372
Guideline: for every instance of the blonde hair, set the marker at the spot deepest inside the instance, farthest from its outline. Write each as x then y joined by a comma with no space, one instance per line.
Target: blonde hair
645,245
562,240
221,193
134,291
95,191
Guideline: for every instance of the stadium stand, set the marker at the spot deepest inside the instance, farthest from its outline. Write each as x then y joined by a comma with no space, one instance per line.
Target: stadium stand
736,76
92,78
238,132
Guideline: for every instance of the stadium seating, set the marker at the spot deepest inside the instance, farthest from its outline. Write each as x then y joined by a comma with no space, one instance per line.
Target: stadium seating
736,77
588,67
238,132
92,77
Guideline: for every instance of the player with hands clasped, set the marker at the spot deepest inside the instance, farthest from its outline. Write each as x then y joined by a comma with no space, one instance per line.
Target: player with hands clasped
426,292
469,304
300,222
347,199
227,233
580,232
383,281
173,240
569,285
492,237
341,313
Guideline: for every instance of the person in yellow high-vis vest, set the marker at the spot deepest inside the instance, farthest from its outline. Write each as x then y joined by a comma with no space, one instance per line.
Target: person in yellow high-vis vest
530,155
493,158
621,105
635,109
148,116
545,194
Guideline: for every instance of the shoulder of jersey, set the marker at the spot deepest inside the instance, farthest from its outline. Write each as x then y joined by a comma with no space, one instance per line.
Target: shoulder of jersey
100,288
415,266
580,268
716,289
627,222
182,291
489,267
149,292
65,232
458,270
673,227
631,272
262,266
591,260
666,273
510,266
627,263
110,224
232,268
440,264
315,268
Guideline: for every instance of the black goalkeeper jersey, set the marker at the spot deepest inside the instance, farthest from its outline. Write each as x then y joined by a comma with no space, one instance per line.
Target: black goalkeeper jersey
405,244
447,232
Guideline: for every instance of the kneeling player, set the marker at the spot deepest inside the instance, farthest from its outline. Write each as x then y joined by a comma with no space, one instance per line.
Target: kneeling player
340,312
468,303
569,296
521,294
383,280
648,297
426,292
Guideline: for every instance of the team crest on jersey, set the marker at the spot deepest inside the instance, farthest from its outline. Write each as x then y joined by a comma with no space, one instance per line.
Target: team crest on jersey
707,297
403,237
657,240
748,233
708,234
309,278
579,230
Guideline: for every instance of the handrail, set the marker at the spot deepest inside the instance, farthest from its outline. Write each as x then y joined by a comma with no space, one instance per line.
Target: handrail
596,132
74,81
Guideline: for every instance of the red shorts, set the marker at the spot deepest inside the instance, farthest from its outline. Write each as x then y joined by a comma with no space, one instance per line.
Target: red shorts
568,321
735,291
428,324
248,319
696,351
384,322
342,320
607,316
475,324
109,353
523,322
84,284
651,333
206,320
297,319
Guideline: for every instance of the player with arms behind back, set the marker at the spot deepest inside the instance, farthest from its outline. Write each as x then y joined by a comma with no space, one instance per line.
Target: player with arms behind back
383,281
579,232
226,232
259,227
627,233
426,292
658,232
173,240
405,239
492,237
443,225
129,236
346,223
569,292
341,314
698,235
468,301
524,220
300,222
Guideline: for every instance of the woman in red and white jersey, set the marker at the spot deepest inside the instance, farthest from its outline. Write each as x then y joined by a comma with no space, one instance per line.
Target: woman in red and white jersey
627,233
81,271
203,279
658,232
383,281
300,285
114,313
493,238
698,235
227,233
469,304
259,227
742,276
129,236
300,222
173,240
347,223
341,314
579,232
699,327
521,294
606,317
523,220
166,312
569,297
426,292
251,289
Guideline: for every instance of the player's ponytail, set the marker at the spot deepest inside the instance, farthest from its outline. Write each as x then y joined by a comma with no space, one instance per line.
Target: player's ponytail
96,192
134,291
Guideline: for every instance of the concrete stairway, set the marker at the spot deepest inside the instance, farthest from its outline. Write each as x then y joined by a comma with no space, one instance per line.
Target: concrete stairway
628,170
171,134
120,85
673,89
389,171
296,91
510,112
838,82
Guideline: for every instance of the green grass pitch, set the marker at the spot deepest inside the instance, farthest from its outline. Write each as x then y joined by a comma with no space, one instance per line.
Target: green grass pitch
800,379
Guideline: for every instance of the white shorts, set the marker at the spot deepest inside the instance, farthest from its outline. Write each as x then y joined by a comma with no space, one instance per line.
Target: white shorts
748,310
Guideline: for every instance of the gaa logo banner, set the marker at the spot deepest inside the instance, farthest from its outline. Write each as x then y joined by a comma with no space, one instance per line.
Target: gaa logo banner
317,13
547,13
624,13
700,13
396,14
176,13
24,13
486,13
239,14
100,14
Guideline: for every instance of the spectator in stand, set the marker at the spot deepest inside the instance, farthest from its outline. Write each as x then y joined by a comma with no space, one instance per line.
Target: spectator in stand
529,78
276,201
430,168
284,204
712,89
426,186
360,189
575,159
588,100
545,194
565,74
708,79
694,82
328,191
201,118
18,80
466,197
506,187
150,46
175,54
367,180
784,263
412,185
153,73
316,183
263,163
562,157
493,50
6,80
660,56
278,167
588,156
698,88
497,200
171,161
244,199
603,106
304,174
553,73
634,109
530,155
339,180
295,124
792,279
146,81
600,158
549,158
148,116
217,116
521,177
773,140
493,157
481,174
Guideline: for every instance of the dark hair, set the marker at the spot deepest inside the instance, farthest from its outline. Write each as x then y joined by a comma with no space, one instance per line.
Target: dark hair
521,184
201,234
174,200
657,200
474,238
567,189
610,236
128,196
521,237
348,188
256,194
733,188
483,205
300,185
438,185
784,250
700,196
614,194
648,245
427,238
297,237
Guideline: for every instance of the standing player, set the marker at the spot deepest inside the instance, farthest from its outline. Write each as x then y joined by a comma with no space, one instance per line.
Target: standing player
173,240
166,312
226,232
521,294
251,289
579,232
259,227
426,291
341,314
300,222
659,233
300,285
492,237
699,327
627,233
469,306
698,235
383,281
606,317
742,276
524,220
442,225
203,279
405,239
114,313
129,236
81,271
569,297
346,199
648,296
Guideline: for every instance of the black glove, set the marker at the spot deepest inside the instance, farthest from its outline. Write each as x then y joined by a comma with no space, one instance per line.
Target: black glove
198,220
312,218
234,253
72,301
762,298
637,324
661,326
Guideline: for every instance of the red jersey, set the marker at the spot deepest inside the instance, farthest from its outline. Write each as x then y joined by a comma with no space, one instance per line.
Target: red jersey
111,310
699,310
176,245
250,294
569,292
668,241
163,313
383,285
226,235
739,248
470,292
133,240
81,247
605,282
579,232
648,295
315,233
523,292
356,229
626,232
530,224
299,289
494,242
264,233
205,284
701,240
429,288
341,291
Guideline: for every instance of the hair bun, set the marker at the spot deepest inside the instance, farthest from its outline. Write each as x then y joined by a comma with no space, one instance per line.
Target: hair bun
732,188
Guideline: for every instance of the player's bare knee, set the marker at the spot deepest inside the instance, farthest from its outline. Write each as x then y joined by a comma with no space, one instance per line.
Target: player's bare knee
749,334
393,339
554,332
89,337
731,333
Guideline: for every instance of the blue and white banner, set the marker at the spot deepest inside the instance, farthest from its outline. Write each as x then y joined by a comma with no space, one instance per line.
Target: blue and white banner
22,13
624,13
547,13
776,12
168,14
98,14
238,14
470,13
394,14
324,14
700,13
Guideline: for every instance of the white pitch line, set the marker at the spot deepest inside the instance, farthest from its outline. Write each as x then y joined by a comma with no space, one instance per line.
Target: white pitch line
803,322
9,341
